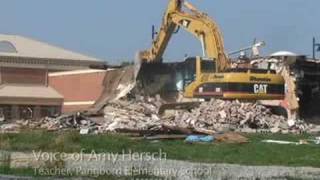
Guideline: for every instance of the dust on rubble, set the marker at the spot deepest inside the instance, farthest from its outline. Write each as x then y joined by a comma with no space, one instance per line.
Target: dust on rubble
140,115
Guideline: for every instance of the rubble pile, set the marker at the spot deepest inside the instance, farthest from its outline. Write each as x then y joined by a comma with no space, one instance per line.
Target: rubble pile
63,122
219,115
75,121
210,117
139,115
9,128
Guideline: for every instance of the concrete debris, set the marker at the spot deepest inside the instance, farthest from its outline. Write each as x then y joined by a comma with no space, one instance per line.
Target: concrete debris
76,121
117,84
140,116
9,128
209,118
224,116
64,122
84,131
291,122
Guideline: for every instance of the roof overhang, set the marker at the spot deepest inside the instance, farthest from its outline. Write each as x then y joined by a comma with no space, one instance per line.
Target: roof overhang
20,46
29,95
46,63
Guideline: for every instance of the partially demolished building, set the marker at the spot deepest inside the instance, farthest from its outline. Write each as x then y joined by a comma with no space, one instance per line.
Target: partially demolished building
24,67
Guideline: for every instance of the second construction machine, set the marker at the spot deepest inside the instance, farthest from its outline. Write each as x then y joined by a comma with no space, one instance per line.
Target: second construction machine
206,77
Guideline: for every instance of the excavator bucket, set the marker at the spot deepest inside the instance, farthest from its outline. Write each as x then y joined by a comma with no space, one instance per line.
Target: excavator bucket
166,79
146,79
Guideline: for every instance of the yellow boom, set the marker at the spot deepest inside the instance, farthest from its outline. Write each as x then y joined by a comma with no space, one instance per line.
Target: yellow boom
197,23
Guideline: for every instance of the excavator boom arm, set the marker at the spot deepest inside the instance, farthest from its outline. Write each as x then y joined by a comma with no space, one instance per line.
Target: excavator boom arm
194,22
159,45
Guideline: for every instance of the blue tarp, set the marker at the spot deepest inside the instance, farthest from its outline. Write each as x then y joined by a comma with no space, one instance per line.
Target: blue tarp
199,138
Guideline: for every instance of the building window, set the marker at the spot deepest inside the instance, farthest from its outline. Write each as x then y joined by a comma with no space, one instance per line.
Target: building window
7,47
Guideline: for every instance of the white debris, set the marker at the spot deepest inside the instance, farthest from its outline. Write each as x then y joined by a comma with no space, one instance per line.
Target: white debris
280,142
84,131
291,122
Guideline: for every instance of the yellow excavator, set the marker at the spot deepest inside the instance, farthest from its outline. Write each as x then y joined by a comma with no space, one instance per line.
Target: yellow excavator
210,76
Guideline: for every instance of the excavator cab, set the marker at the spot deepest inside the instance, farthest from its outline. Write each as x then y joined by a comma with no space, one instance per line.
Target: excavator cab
192,67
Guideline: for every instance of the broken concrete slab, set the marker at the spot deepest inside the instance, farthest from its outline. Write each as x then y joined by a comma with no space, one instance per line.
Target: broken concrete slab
141,115
117,84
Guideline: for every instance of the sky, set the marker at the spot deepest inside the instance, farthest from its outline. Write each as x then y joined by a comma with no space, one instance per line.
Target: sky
114,30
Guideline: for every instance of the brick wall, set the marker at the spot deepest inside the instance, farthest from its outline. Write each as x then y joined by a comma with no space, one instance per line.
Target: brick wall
23,75
80,88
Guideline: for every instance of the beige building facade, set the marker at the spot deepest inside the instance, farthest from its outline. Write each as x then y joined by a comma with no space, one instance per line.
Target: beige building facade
25,64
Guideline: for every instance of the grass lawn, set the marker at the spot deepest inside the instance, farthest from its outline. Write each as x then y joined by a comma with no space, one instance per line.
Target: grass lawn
253,153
